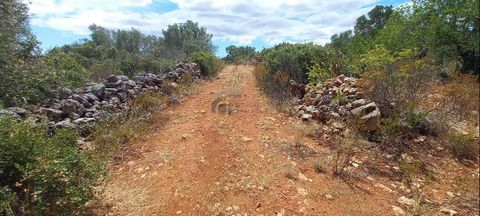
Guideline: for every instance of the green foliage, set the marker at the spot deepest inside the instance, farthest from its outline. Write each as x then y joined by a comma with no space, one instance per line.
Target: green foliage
209,64
65,70
31,84
17,49
294,59
463,146
317,73
239,54
375,61
376,20
112,134
446,31
187,38
42,174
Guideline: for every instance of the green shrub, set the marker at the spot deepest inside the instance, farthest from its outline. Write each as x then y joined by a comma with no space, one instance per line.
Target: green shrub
209,64
294,59
63,69
36,82
239,55
463,146
317,74
41,174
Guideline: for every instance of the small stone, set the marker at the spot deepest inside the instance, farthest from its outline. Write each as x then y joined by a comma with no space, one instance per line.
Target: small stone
64,93
246,139
184,136
179,212
384,188
448,211
306,116
328,196
303,177
398,211
406,201
302,192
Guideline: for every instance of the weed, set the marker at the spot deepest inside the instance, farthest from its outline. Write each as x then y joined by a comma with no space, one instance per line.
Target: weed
290,172
112,134
42,174
411,169
463,146
319,167
347,148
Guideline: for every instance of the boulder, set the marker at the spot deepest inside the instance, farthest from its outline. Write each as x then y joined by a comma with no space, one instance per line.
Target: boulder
64,93
122,78
67,123
112,79
54,114
5,112
91,97
98,90
82,121
306,116
365,109
111,90
72,106
122,96
370,117
18,111
113,84
82,99
358,103
101,115
130,83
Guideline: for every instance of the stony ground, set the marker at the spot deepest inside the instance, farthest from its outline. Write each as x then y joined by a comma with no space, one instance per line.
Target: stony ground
225,150
253,161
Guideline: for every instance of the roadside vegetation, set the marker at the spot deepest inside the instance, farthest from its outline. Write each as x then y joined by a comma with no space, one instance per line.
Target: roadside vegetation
239,54
420,65
406,69
54,172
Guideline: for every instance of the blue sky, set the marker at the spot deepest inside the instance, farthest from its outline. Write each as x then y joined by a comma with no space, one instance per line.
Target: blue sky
239,22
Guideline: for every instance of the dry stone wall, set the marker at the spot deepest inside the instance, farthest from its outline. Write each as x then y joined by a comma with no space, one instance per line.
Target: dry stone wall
97,101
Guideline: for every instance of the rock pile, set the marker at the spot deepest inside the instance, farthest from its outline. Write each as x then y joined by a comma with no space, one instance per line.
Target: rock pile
95,101
337,100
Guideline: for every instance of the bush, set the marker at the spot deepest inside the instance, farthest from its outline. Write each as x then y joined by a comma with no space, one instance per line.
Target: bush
463,146
209,64
317,74
294,60
42,174
114,133
347,148
400,86
36,82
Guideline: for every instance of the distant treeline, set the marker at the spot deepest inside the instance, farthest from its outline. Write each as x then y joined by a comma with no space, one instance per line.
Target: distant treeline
28,76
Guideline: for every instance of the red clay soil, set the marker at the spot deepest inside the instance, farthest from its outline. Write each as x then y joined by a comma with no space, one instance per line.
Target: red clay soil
243,163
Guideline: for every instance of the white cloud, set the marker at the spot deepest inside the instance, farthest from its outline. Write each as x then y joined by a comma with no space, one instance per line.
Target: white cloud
239,21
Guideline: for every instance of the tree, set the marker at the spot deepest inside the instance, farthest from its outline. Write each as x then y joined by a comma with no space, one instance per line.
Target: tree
377,19
450,29
183,39
240,53
340,41
17,50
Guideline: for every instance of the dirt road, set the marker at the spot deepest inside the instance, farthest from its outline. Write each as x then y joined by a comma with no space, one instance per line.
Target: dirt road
253,161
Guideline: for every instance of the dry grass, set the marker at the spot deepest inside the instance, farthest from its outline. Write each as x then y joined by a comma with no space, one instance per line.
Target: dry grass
319,166
114,133
463,146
